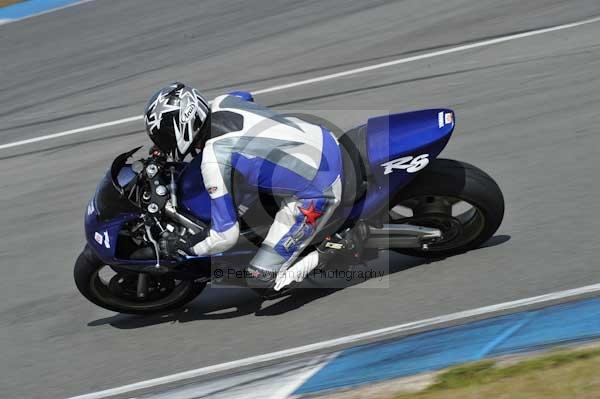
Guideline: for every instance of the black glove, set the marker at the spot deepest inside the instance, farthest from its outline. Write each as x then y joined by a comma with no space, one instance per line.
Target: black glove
176,247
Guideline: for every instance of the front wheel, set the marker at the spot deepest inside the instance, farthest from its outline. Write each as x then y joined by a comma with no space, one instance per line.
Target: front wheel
459,199
117,291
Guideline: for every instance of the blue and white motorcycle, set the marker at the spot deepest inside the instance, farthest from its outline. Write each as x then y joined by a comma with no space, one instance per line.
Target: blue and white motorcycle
393,183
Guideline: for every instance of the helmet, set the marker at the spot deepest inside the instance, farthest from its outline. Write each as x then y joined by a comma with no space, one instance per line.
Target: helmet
176,119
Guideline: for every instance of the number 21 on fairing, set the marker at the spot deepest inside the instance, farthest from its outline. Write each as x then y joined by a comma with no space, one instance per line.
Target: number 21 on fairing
409,163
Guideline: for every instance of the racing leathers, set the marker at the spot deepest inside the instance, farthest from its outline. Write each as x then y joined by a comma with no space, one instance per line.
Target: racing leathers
292,159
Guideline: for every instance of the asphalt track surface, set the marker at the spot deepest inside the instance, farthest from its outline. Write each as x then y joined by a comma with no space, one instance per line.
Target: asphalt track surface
527,113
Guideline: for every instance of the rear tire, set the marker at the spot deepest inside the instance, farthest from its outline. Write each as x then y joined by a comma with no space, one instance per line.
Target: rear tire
450,181
88,282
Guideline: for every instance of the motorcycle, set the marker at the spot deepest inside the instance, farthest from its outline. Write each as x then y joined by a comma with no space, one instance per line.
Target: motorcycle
410,201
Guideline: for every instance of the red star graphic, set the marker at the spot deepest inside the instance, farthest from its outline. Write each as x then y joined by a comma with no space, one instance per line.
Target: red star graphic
311,214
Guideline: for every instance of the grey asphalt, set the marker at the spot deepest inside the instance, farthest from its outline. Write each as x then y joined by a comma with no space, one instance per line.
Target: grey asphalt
527,113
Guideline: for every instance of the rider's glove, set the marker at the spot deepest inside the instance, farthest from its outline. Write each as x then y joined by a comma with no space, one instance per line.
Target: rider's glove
176,247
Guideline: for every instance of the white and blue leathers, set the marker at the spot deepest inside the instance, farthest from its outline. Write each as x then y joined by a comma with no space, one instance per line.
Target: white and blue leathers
285,156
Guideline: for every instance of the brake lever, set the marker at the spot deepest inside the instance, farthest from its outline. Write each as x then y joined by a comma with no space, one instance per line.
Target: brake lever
147,225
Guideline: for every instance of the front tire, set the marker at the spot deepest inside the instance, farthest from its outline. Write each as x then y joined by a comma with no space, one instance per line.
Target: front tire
432,200
118,295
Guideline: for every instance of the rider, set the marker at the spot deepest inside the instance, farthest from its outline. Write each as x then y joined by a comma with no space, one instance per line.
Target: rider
285,156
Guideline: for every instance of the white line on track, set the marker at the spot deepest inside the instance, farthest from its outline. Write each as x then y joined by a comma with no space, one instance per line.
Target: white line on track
350,339
428,55
349,72
70,132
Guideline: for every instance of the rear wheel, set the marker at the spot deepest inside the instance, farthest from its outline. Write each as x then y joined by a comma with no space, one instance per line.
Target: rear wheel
462,201
117,291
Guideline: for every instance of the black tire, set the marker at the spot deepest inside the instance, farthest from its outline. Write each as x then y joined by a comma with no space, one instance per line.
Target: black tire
462,181
87,281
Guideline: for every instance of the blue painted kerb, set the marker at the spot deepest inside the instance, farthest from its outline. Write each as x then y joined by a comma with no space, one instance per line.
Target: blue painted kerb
445,347
31,7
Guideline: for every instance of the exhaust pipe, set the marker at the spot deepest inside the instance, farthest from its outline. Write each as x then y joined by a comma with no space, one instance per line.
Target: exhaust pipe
401,236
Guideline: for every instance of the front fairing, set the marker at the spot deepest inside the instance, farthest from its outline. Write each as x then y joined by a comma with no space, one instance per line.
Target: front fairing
109,202
109,211
106,213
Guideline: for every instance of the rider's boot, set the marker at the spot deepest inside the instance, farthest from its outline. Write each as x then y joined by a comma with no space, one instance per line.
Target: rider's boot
348,244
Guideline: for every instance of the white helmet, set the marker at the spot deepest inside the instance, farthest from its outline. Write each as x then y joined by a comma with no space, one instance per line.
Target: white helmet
177,117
